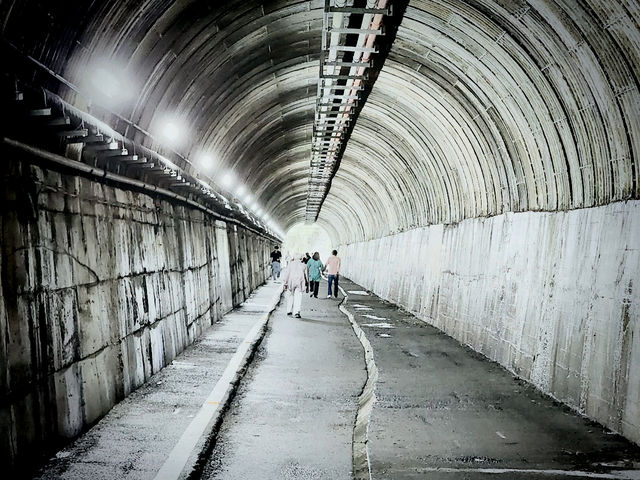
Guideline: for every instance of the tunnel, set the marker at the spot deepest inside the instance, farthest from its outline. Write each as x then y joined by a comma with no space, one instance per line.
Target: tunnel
473,164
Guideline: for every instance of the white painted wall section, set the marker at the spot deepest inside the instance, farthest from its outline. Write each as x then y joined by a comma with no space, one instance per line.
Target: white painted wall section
554,297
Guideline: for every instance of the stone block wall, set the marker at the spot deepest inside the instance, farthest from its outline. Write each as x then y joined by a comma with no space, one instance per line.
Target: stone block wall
554,297
100,288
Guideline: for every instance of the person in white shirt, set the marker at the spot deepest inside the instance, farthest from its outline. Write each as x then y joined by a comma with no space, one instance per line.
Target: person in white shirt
332,267
295,280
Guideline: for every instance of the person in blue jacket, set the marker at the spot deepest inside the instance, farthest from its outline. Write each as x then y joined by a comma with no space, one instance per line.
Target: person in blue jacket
315,267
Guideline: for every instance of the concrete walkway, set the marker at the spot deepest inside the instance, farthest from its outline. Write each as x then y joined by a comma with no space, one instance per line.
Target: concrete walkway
294,413
153,424
441,411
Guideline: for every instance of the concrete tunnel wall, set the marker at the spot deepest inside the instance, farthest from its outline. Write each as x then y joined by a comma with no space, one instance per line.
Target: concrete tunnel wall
553,297
489,119
100,289
488,186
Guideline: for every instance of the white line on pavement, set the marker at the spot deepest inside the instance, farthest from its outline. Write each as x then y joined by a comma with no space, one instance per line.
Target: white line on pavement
618,475
210,410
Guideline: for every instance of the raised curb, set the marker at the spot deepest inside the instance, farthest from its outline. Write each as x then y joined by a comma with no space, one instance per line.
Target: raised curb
360,451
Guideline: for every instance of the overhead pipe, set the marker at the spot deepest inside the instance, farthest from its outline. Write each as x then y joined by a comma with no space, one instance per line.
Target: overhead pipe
367,40
104,174
86,118
324,87
330,122
334,40
337,23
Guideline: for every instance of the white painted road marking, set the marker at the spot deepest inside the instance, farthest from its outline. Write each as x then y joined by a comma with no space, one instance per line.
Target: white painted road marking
372,317
618,475
206,416
378,325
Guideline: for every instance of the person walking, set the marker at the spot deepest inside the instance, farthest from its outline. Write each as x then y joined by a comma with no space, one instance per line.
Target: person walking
276,255
295,280
333,271
315,267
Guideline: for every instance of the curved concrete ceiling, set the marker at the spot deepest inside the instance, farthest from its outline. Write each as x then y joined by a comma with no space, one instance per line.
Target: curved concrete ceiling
482,107
485,107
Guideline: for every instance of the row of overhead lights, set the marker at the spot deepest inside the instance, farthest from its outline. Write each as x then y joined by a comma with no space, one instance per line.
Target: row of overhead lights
108,88
229,183
172,133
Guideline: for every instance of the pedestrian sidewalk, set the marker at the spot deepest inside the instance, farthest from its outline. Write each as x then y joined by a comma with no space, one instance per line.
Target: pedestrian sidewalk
172,413
293,416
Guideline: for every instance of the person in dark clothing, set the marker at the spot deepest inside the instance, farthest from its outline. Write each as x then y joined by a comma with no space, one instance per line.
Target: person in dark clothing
276,255
306,258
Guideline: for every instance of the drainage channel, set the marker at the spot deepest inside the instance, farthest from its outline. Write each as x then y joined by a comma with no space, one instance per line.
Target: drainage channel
360,451
189,456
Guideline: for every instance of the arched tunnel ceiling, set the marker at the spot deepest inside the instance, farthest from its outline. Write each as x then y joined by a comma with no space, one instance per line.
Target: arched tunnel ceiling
482,107
489,107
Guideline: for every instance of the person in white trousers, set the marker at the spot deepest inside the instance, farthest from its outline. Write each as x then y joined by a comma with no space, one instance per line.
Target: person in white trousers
295,280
